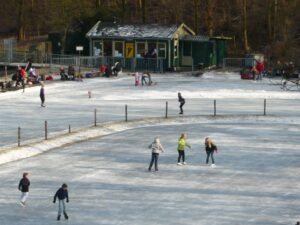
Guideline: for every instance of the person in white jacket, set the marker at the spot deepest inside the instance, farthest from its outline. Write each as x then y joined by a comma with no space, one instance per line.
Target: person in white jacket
156,148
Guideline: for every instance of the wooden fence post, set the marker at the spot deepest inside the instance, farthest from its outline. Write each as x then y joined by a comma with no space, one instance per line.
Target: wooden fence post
46,130
167,106
126,113
19,136
95,117
215,107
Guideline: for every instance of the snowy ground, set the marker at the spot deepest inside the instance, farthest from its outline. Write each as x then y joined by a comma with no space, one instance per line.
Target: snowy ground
255,181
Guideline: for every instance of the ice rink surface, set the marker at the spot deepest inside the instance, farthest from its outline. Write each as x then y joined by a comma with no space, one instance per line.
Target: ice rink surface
256,180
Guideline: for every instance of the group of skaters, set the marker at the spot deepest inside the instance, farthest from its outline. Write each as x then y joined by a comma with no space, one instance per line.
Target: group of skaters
157,148
61,194
25,75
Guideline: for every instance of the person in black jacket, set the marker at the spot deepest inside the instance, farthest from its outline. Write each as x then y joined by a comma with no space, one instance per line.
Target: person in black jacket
24,188
42,95
62,194
181,101
210,148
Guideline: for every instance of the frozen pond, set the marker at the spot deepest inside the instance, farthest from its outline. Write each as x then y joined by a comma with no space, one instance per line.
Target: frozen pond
68,102
256,180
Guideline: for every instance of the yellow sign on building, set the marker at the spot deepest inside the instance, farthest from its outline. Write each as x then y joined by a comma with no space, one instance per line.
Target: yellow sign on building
129,50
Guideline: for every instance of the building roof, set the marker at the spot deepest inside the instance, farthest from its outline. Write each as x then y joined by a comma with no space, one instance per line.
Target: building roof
197,38
142,31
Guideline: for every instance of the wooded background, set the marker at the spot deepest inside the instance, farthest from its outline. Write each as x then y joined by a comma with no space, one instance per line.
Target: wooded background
268,26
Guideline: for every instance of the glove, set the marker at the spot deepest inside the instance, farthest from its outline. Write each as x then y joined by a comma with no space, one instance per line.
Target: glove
54,202
68,200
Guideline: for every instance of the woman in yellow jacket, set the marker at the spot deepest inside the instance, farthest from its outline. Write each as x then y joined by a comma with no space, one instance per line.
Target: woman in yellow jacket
181,148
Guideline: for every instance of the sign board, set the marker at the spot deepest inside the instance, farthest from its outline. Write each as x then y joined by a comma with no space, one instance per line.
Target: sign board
79,48
129,50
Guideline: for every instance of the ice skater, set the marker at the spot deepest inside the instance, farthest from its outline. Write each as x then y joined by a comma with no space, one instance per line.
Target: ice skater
182,143
62,194
137,79
24,188
210,148
42,95
181,101
156,148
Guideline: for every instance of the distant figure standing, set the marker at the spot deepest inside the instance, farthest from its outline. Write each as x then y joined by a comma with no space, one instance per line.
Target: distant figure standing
210,148
62,194
156,148
181,101
260,67
182,143
42,95
24,188
137,79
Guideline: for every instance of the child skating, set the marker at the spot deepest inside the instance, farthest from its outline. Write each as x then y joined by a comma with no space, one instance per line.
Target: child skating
210,148
62,194
42,95
24,188
181,101
182,143
156,148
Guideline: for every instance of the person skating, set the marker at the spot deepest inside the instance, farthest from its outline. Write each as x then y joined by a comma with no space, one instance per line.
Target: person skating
62,194
210,148
42,95
24,188
181,101
182,143
156,148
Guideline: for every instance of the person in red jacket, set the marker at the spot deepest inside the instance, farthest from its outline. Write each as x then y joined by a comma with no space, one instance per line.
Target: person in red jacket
260,67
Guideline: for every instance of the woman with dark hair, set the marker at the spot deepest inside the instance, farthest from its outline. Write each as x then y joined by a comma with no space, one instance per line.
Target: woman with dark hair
24,188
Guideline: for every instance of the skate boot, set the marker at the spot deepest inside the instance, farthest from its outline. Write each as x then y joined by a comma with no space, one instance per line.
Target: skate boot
66,215
58,217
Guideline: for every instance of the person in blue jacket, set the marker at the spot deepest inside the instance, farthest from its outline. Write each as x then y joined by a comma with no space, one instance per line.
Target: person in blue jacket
62,194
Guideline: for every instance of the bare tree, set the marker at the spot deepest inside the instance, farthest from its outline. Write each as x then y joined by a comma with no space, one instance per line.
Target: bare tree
196,17
245,24
21,22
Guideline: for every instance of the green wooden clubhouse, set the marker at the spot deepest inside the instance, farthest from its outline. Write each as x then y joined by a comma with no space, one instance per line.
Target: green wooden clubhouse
155,47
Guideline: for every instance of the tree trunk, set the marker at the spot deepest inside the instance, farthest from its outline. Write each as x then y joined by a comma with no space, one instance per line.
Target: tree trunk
209,19
143,6
196,24
21,24
123,10
275,20
98,3
245,24
270,27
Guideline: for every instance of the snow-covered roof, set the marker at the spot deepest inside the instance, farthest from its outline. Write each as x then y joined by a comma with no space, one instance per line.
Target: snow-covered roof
197,38
143,31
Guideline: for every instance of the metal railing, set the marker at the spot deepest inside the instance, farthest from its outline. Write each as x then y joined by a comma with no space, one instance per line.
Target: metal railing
131,64
237,62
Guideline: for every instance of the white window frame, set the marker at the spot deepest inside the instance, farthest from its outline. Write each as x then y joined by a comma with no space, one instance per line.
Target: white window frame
165,49
123,49
101,44
136,47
